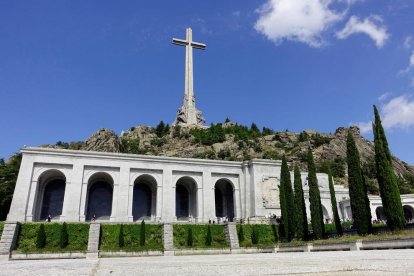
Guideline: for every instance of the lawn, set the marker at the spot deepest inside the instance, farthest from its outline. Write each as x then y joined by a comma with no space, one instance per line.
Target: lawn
199,236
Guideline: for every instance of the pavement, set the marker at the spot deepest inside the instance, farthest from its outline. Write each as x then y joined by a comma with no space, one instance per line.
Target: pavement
375,262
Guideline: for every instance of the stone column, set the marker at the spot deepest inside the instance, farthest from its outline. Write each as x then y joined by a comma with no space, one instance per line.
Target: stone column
200,205
73,191
208,191
130,200
159,204
168,202
83,201
115,200
237,207
123,195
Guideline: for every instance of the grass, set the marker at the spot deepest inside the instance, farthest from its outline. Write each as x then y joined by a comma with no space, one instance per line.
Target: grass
1,227
110,238
199,236
78,238
267,236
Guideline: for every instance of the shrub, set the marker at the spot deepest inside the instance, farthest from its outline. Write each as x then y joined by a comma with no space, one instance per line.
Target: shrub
121,242
241,234
1,227
265,234
190,237
200,233
158,142
64,237
208,237
41,237
255,235
142,234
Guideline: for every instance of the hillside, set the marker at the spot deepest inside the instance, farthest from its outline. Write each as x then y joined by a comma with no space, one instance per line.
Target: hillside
231,141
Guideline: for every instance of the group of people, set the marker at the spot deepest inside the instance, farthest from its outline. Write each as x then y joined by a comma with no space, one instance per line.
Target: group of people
219,220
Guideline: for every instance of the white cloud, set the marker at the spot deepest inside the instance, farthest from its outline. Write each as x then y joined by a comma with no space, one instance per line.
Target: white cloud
398,113
364,127
412,59
371,26
296,20
384,96
408,42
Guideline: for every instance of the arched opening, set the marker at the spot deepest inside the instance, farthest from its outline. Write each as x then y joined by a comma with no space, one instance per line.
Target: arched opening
408,213
326,216
144,198
100,193
50,196
186,199
224,199
380,213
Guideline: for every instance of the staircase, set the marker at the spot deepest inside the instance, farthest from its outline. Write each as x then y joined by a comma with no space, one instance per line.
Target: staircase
8,239
168,239
231,235
93,241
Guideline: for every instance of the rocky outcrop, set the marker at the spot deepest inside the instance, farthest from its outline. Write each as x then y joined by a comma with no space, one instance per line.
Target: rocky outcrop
104,140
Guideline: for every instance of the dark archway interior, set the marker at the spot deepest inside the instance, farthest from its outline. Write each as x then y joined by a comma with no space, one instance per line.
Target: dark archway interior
223,194
182,202
53,196
380,213
142,204
100,200
408,213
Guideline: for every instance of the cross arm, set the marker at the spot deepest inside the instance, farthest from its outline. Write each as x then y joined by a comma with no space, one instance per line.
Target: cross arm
198,45
180,42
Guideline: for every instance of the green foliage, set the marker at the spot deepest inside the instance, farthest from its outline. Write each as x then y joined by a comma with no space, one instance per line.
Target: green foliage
209,239
240,233
142,234
224,154
358,194
337,167
77,237
254,130
267,236
227,120
177,131
301,221
255,235
131,146
8,177
162,129
267,131
41,237
76,145
158,142
315,199
213,134
64,236
199,233
334,205
303,136
132,237
286,201
272,155
189,237
121,242
205,155
1,227
390,194
318,140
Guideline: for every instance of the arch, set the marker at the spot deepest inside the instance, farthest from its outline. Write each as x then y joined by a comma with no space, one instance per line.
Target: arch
380,213
99,196
224,199
144,198
408,213
186,198
50,195
325,212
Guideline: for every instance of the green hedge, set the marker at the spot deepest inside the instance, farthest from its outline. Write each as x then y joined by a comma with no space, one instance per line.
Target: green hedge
1,227
199,236
77,240
267,236
110,237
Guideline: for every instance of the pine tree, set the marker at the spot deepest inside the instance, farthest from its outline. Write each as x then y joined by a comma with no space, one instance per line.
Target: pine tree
190,237
361,213
288,204
208,237
121,242
388,185
41,237
334,204
64,237
142,234
301,219
315,199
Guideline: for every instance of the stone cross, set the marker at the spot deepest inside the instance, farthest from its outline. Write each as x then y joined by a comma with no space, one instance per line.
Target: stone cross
188,114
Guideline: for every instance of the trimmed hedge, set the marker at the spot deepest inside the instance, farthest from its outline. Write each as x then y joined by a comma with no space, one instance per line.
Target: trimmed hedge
1,227
266,235
131,237
77,237
199,234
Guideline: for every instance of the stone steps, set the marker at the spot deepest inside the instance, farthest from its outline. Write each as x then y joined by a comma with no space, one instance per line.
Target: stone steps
8,238
168,238
231,235
93,241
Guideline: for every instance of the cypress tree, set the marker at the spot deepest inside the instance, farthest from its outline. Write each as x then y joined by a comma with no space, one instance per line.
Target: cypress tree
275,233
208,237
41,237
337,221
64,238
361,213
121,242
190,237
315,199
388,185
241,234
287,207
142,234
255,235
301,219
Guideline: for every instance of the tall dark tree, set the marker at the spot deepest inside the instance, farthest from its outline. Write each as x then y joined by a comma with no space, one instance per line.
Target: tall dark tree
315,199
64,237
388,185
8,177
41,237
336,218
287,207
142,234
361,213
301,219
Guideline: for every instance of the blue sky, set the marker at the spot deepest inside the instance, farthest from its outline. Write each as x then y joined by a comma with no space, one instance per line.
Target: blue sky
68,68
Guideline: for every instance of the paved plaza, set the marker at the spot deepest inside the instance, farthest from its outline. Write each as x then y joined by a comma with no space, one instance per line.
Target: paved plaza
384,262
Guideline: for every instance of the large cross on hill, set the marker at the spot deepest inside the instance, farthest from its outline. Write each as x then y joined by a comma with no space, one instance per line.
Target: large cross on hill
188,114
